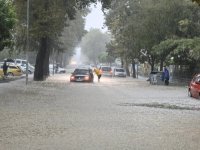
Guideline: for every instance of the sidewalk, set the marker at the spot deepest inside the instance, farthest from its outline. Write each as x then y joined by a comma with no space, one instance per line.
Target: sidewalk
8,79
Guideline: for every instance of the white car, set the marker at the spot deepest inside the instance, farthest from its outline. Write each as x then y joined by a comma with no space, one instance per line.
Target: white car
56,69
22,64
106,71
119,72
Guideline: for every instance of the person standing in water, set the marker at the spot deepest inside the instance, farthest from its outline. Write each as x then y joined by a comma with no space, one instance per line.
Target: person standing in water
98,73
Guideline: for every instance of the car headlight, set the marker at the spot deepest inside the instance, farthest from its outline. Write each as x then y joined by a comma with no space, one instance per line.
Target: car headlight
72,78
86,77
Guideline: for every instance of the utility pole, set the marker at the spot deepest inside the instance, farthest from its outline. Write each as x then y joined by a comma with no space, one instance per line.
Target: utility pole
27,40
53,61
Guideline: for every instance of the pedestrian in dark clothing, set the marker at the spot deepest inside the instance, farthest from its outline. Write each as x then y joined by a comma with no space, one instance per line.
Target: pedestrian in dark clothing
5,68
165,76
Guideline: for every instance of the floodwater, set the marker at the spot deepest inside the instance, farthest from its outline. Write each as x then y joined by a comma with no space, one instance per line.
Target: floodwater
115,114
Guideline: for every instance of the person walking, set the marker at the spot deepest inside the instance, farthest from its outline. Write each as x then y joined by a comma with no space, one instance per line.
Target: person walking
5,68
165,76
98,73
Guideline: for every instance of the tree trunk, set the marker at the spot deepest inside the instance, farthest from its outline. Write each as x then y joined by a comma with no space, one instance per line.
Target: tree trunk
152,62
152,66
40,61
46,61
133,68
127,68
161,65
122,62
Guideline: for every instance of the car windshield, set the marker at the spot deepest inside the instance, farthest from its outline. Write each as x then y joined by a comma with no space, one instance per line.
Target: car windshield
106,68
81,71
197,79
119,70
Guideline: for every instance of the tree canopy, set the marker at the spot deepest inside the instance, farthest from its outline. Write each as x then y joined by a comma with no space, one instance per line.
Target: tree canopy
142,24
7,22
94,45
47,21
197,1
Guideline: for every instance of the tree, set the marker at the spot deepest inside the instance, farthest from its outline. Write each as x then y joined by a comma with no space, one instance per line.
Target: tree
197,1
142,24
94,44
179,52
70,38
8,19
48,19
162,50
120,22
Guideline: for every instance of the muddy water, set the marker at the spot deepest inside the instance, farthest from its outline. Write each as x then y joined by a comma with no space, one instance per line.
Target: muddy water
115,114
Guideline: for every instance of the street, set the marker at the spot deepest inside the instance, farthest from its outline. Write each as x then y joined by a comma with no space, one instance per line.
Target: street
115,114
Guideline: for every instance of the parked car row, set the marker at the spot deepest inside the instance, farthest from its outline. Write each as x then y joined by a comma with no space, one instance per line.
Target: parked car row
21,63
113,72
13,70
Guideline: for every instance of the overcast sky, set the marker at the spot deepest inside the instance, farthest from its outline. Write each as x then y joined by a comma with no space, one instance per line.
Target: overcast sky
95,19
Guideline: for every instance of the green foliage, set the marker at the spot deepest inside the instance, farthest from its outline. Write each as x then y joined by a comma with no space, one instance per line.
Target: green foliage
187,51
197,1
72,34
162,50
94,44
181,51
8,19
48,18
144,24
195,51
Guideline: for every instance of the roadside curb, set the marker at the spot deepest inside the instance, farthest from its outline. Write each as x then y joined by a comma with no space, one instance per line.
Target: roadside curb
8,79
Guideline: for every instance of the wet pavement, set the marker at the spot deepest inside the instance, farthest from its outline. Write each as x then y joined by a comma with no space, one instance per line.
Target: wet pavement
115,114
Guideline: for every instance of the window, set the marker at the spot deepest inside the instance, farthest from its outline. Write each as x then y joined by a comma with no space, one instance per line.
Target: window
12,67
120,70
24,62
18,62
106,68
81,71
197,79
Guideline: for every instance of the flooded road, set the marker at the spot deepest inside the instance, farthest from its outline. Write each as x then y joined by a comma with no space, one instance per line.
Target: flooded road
115,114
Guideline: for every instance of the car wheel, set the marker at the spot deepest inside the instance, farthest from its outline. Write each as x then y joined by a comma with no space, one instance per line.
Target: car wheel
189,93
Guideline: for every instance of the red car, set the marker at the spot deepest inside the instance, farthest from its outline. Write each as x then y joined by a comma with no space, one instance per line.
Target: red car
194,87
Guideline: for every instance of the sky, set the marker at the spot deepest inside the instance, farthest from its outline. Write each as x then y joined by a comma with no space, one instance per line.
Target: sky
95,19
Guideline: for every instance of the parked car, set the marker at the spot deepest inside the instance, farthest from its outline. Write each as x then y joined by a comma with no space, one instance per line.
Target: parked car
22,64
106,71
82,75
194,87
31,68
119,72
13,70
56,69
61,70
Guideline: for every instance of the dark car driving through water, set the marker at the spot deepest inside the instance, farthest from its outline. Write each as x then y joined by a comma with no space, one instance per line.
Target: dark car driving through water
82,75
